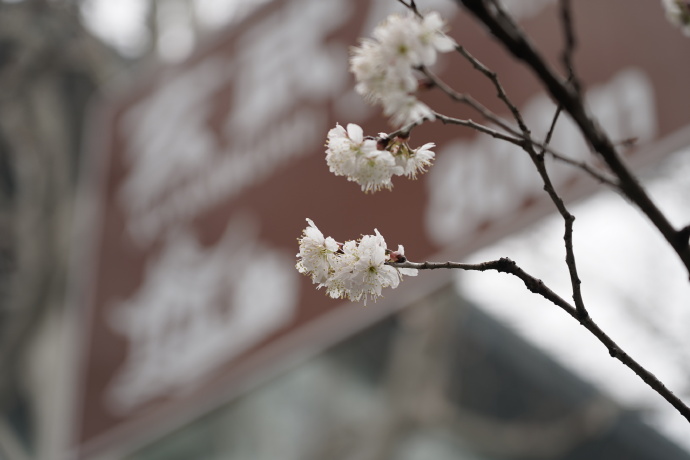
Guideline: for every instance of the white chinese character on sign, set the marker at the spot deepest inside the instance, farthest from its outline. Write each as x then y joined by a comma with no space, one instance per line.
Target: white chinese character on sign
167,134
198,309
288,58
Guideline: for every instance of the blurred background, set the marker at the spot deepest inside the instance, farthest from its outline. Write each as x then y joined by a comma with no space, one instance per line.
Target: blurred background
158,159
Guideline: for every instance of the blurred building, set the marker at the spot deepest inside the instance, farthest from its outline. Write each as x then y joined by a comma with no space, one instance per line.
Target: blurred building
440,380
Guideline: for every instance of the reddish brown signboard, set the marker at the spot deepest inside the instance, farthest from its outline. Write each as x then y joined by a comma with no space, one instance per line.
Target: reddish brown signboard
210,168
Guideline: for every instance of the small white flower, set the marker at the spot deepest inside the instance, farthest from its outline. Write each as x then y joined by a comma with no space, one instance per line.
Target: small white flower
432,38
362,272
419,160
399,39
678,12
356,270
344,148
315,253
385,68
338,283
375,170
410,162
349,154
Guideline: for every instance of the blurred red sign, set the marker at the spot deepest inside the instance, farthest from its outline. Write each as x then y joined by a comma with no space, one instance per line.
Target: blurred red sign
208,170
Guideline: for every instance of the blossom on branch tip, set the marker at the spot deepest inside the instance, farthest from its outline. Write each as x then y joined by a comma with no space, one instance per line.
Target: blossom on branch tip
357,270
385,67
372,162
349,154
416,161
678,12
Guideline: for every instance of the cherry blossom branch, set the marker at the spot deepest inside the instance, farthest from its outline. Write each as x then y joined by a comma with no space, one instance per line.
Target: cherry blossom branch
503,96
486,113
359,270
507,32
528,144
518,140
495,18
537,286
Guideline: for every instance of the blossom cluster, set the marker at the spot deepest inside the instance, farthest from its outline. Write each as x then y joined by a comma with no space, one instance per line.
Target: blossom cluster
371,162
356,270
385,66
678,12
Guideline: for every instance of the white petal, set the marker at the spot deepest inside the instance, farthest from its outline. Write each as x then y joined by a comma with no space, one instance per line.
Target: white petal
355,133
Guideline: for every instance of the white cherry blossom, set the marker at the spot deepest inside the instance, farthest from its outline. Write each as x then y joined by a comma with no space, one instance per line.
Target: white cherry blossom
385,67
432,38
356,270
349,153
345,147
315,253
419,160
375,171
678,12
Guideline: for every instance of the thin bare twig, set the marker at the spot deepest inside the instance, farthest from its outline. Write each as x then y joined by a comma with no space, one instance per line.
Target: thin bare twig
468,100
568,218
537,286
552,128
407,129
481,128
610,181
501,93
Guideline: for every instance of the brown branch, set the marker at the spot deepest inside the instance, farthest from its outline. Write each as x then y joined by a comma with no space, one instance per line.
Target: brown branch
568,218
506,31
570,43
479,127
610,181
501,94
487,114
537,286
406,130
467,100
